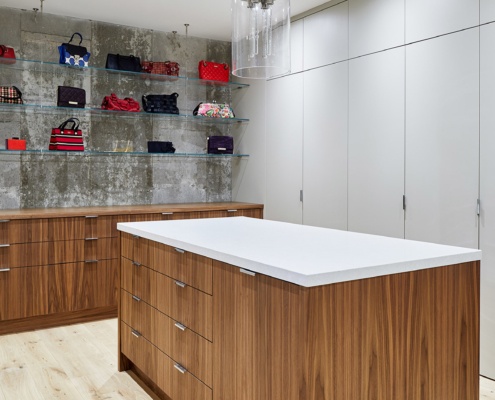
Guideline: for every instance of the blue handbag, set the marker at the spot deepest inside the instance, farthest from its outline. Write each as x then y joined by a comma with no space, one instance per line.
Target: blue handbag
72,54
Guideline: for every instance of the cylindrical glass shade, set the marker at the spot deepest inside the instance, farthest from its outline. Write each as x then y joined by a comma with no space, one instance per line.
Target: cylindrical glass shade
260,38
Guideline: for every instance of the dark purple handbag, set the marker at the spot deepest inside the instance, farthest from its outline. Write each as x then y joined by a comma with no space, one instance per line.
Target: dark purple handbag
220,145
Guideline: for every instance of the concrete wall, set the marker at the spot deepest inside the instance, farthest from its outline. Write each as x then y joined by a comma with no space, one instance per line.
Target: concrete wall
63,180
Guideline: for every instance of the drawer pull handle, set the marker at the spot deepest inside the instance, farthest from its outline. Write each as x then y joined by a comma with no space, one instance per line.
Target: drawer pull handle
91,216
135,263
231,210
180,368
136,298
4,269
88,239
4,245
179,250
90,261
181,284
4,220
180,326
136,333
247,272
167,213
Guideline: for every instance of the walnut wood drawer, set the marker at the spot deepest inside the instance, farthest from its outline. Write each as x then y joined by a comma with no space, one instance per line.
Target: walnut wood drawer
135,248
184,346
101,248
184,304
186,386
23,231
187,267
65,251
102,226
23,254
137,314
138,280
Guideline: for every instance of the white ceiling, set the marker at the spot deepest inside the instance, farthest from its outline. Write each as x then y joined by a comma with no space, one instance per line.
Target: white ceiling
206,18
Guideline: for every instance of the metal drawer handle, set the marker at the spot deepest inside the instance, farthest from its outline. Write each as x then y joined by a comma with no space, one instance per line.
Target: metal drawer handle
181,284
247,272
180,326
4,245
180,368
231,210
179,250
136,264
4,220
167,213
94,238
4,269
136,298
91,216
90,261
136,333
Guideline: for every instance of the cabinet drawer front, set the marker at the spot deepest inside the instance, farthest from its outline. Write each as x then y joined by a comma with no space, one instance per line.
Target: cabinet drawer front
141,352
66,228
23,231
135,248
103,226
137,314
184,304
186,386
184,346
100,248
138,280
23,255
65,251
23,292
187,267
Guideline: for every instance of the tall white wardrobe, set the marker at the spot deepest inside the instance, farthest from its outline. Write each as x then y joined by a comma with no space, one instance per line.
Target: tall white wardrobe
386,125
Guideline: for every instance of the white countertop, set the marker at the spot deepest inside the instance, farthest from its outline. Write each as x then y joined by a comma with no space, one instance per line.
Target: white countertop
304,255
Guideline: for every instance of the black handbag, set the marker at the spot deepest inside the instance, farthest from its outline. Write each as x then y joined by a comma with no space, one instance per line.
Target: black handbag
161,103
160,147
220,145
68,96
123,63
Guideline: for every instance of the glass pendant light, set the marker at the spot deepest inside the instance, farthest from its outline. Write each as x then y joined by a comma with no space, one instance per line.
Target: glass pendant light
260,38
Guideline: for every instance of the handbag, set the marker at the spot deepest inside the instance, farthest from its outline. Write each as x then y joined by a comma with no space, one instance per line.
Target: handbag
160,147
160,103
214,110
10,95
7,54
112,102
72,54
68,96
213,71
123,63
161,68
66,138
220,145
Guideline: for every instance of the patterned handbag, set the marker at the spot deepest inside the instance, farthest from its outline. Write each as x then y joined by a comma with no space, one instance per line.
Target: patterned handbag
161,103
72,54
161,67
213,71
10,95
214,110
66,138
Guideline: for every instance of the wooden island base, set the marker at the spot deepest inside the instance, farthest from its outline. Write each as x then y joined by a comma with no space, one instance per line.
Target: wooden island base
404,336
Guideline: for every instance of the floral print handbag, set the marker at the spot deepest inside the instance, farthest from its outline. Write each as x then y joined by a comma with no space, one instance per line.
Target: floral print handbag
214,110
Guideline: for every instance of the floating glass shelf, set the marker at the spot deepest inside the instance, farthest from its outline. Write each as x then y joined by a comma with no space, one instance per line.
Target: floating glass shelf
118,153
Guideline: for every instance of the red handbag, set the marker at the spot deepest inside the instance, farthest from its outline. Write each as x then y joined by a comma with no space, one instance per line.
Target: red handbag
112,102
213,71
161,67
67,139
7,55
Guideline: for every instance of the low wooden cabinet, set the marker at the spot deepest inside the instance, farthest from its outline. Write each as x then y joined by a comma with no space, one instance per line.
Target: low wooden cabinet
60,266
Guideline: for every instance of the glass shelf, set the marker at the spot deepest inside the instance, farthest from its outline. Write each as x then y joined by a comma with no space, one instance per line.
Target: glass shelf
4,107
118,153
51,67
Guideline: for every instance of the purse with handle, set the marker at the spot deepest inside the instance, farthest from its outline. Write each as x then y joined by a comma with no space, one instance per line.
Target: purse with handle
123,63
161,67
68,96
67,137
213,71
113,103
73,54
161,103
214,110
7,54
10,95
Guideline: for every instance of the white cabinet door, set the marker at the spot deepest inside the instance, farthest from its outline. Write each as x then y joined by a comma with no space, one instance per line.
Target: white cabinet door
296,46
442,139
487,196
487,11
326,36
375,25
427,19
376,143
325,147
284,128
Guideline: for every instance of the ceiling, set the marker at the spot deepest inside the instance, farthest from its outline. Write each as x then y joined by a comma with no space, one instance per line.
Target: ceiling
206,18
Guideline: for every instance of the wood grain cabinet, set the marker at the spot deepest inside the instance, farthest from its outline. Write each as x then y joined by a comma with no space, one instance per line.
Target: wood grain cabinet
61,266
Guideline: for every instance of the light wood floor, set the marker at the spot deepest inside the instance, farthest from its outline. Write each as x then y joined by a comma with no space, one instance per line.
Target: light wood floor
78,362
